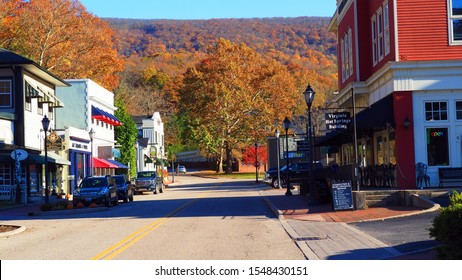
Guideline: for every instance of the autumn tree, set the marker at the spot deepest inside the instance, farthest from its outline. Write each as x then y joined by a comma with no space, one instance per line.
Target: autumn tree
254,154
234,97
62,37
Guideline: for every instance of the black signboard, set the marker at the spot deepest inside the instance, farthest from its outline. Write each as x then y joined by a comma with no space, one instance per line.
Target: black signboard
303,146
342,197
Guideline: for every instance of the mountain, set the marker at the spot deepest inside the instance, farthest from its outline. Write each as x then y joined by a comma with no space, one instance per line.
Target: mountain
291,36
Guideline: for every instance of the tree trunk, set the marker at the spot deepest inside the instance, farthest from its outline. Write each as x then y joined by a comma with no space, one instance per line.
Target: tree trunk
229,160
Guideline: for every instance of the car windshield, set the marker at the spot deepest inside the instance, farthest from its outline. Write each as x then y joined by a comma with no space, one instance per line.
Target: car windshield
146,174
119,180
93,183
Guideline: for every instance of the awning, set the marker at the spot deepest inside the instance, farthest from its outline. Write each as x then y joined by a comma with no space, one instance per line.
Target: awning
334,138
119,164
102,163
57,104
378,115
104,116
52,158
31,92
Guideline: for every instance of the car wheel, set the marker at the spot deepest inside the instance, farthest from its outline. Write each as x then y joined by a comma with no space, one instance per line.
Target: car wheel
275,183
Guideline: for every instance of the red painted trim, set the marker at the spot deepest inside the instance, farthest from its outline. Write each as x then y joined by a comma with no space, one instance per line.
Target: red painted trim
404,140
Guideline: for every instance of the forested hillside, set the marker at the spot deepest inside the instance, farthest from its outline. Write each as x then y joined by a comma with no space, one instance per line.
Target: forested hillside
288,35
159,52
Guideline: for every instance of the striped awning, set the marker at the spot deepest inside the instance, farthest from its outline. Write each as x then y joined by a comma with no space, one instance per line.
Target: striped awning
57,104
31,92
104,116
46,98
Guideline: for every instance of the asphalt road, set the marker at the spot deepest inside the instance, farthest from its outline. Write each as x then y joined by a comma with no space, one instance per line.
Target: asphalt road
199,218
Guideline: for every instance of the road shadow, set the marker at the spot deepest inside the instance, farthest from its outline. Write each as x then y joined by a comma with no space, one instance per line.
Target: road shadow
200,204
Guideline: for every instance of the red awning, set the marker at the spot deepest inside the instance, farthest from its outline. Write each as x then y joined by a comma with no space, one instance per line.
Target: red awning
102,163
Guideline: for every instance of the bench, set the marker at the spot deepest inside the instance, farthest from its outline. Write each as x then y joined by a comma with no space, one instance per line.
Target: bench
450,175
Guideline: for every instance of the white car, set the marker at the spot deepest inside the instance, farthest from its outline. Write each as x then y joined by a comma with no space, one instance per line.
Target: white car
181,169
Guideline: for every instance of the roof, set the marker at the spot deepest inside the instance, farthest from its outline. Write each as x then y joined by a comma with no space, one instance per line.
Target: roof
11,58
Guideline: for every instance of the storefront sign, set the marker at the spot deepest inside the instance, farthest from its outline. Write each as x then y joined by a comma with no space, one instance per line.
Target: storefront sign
336,121
342,196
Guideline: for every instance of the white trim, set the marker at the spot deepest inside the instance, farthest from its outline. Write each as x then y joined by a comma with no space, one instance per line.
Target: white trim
451,17
395,26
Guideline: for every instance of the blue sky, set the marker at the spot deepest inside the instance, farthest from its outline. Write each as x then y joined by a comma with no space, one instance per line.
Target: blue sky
207,9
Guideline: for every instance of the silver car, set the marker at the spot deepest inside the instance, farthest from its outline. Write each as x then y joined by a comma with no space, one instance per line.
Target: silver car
181,169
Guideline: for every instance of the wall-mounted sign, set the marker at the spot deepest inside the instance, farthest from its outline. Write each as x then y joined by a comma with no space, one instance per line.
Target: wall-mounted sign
19,154
336,121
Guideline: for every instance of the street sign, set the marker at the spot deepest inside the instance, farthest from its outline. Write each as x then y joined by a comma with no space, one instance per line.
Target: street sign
19,154
256,164
303,146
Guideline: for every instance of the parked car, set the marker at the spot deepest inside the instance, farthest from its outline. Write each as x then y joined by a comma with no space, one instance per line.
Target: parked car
98,189
181,169
148,181
125,189
298,173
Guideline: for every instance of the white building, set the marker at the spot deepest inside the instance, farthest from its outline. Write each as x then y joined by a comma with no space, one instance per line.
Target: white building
150,147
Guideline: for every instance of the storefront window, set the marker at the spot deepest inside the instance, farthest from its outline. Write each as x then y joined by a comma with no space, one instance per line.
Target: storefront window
437,146
436,111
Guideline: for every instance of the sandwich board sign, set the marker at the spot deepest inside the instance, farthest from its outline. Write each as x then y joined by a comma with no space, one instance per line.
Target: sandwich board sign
342,196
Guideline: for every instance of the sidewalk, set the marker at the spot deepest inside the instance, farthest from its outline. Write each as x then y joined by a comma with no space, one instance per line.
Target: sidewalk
322,233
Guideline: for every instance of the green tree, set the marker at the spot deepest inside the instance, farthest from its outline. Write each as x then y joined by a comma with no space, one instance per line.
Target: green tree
233,98
126,136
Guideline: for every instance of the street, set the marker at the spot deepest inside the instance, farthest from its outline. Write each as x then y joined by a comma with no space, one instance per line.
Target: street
198,218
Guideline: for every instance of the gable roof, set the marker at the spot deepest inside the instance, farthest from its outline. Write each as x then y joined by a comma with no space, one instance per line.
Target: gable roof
8,58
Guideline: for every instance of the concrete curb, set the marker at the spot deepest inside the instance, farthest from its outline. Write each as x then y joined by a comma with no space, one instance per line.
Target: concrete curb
13,232
67,212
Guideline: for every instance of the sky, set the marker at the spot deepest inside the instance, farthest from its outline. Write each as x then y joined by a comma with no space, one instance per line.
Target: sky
208,9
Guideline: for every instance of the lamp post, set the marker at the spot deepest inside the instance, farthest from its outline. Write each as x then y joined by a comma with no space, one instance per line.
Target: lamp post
309,97
92,136
286,127
45,126
256,162
277,149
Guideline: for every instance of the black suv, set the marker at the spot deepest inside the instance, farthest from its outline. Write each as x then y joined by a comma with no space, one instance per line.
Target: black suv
298,173
148,181
125,189
98,189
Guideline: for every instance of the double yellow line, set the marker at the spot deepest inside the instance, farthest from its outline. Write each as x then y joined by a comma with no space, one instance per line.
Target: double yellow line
128,241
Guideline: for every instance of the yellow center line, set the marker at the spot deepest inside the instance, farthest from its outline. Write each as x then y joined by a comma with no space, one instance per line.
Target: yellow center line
128,241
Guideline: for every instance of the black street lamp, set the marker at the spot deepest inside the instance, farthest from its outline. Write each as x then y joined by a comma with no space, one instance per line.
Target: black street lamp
256,162
45,126
286,127
309,97
277,149
91,133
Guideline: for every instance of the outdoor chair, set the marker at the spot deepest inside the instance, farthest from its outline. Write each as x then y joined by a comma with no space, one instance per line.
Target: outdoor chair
421,171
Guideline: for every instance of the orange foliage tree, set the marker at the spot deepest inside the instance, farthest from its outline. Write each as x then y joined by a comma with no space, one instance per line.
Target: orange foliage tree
233,98
62,37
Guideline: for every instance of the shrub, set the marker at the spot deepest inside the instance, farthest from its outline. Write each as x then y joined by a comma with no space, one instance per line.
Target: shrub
447,228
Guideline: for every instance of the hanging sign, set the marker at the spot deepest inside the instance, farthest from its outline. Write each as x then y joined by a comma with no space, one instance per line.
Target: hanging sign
337,121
